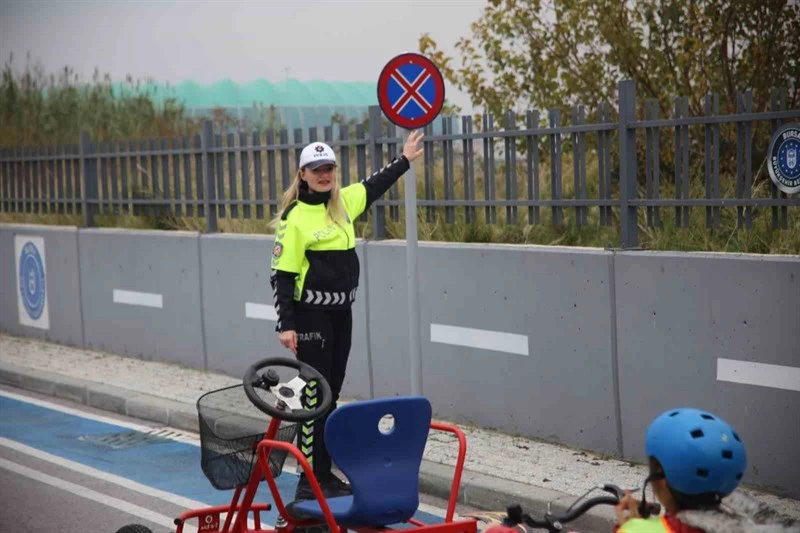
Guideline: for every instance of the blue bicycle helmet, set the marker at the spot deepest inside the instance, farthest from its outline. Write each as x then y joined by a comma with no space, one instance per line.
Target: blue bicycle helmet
699,452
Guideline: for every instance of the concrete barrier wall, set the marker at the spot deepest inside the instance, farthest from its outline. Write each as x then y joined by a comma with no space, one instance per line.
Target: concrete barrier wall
53,309
140,294
689,324
577,346
512,337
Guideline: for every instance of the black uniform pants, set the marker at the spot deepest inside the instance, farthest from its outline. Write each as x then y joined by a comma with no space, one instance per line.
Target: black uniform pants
323,342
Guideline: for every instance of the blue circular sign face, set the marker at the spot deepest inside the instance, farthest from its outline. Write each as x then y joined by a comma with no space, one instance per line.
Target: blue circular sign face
411,90
31,280
784,159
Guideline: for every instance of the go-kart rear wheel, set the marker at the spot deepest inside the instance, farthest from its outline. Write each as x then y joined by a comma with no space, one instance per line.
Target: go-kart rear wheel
134,528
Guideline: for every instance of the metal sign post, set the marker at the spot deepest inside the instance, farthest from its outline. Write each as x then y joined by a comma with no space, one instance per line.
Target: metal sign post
411,95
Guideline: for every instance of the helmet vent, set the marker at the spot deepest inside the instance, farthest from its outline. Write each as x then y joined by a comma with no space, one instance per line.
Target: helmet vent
697,433
707,417
702,472
735,436
727,454
675,413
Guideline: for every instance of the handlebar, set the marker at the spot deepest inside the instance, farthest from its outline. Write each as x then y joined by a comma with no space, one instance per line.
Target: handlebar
553,523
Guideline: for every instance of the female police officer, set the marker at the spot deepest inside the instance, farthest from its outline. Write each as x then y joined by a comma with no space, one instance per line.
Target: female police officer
314,278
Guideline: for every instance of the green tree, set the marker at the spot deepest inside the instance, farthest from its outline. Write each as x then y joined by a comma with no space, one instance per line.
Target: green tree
538,54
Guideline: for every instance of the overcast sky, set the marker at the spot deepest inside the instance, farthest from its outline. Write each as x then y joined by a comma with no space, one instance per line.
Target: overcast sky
172,41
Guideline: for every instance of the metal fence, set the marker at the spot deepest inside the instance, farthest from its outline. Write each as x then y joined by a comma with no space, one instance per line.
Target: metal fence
219,176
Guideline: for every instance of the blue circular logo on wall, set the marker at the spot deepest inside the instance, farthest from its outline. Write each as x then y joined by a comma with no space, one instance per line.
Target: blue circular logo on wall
31,280
784,158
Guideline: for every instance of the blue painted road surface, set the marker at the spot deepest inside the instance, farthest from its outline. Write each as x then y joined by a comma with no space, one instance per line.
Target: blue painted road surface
163,464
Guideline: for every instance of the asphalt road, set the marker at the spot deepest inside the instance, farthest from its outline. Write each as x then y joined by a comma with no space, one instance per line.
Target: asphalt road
66,467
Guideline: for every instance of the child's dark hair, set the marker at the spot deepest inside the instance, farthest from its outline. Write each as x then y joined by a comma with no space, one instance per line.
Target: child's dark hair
707,501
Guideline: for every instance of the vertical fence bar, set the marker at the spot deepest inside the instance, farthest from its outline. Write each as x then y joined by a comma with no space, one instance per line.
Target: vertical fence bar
69,173
602,162
187,197
259,181
555,166
4,180
286,178
272,184
748,159
244,161
176,196
579,164
61,201
156,191
511,166
449,170
200,174
532,175
102,182
124,161
89,178
686,177
33,173
28,180
739,162
707,173
469,168
114,195
52,196
344,136
361,159
715,139
298,146
429,155
234,193
219,163
677,163
778,103
376,155
656,166
207,140
648,158
488,168
627,165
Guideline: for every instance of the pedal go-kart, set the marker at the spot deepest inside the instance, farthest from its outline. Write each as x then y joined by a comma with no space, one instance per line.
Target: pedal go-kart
514,520
382,466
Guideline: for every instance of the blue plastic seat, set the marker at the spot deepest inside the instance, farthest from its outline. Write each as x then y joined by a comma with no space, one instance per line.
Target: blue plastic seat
383,469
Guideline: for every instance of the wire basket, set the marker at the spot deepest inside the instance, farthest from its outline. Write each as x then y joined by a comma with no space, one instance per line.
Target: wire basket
230,430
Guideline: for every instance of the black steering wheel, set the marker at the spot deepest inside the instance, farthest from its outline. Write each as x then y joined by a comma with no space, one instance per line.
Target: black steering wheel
290,407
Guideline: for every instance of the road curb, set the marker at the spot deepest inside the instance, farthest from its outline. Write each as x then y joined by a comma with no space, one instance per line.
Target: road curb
477,489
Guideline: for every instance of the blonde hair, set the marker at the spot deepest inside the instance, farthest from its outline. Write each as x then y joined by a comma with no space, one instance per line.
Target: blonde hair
335,209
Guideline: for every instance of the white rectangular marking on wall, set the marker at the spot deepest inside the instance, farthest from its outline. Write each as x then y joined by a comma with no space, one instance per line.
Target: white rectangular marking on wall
146,299
759,374
260,311
480,338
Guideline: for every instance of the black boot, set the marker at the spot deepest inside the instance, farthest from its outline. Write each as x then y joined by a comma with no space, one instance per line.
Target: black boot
303,490
333,487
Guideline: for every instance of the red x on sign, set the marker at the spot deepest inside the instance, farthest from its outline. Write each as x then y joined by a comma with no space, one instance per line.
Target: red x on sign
410,91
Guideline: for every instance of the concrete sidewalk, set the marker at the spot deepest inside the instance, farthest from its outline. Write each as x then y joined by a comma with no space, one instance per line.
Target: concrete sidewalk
499,469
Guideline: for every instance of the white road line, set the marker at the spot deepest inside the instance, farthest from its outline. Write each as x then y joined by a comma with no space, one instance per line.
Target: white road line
76,412
759,374
79,490
146,299
260,311
480,338
97,418
180,501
